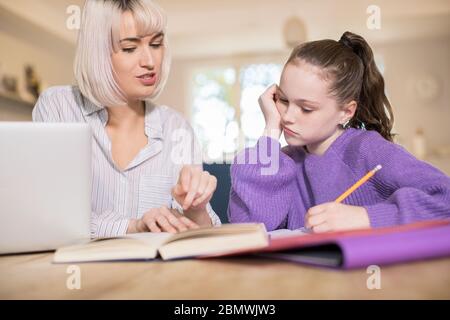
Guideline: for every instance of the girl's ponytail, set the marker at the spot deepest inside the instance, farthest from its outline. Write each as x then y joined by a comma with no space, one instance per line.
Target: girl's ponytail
373,103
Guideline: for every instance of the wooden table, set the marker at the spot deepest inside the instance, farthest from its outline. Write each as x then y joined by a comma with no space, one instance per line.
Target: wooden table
33,276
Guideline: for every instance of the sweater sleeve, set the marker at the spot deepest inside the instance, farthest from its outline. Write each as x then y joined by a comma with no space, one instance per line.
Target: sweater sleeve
414,190
262,185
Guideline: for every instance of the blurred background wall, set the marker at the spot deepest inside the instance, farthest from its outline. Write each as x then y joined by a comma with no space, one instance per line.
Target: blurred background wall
226,52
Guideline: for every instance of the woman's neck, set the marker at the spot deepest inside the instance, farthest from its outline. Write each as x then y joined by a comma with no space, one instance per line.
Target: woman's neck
127,115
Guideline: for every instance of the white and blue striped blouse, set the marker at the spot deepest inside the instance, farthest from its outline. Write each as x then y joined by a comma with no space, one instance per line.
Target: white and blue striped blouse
121,195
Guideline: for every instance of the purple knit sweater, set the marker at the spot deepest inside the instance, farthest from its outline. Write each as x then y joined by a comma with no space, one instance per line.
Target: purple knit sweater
403,191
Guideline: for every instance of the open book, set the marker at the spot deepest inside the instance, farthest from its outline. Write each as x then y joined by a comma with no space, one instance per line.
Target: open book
221,240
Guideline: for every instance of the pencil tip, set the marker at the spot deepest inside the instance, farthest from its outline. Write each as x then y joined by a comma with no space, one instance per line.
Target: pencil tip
378,167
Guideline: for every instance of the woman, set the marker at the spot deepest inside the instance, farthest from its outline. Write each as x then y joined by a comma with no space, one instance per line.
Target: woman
139,181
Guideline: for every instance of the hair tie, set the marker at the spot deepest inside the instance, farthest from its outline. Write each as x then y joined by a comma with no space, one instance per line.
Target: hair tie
346,42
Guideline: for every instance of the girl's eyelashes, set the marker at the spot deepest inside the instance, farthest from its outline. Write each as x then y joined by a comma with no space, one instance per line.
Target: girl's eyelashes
286,102
283,101
156,45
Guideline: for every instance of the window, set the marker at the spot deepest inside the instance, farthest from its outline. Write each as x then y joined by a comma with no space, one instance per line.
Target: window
255,78
213,114
225,111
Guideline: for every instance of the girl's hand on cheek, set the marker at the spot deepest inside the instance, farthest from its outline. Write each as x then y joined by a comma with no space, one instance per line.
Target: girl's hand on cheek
333,216
271,115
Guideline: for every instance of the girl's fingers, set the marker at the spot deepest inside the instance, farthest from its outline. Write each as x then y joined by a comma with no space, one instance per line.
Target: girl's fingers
318,209
192,193
314,220
164,224
321,228
268,96
210,188
270,91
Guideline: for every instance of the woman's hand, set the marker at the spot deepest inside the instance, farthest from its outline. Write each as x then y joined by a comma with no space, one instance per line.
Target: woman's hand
333,216
195,188
161,220
271,114
193,191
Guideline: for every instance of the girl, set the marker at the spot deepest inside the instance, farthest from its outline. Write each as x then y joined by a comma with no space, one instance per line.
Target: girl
139,181
337,121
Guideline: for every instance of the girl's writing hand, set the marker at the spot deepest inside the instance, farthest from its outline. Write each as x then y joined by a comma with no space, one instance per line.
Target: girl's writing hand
195,188
333,216
271,114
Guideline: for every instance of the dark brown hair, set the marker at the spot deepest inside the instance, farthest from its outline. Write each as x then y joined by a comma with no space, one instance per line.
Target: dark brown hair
350,65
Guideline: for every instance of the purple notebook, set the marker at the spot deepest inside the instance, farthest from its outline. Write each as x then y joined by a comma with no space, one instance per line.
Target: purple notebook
361,249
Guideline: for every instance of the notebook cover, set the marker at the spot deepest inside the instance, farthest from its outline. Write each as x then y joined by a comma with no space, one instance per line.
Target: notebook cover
362,248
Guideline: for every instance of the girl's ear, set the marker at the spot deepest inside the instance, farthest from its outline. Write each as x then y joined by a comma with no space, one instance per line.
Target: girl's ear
349,110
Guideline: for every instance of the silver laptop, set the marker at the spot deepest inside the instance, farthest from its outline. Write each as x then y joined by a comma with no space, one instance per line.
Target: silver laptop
45,185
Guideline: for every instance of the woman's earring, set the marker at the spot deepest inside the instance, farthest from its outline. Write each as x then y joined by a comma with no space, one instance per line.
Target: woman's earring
345,124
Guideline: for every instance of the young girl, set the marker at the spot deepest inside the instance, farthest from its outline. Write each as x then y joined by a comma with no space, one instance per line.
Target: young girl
139,181
337,122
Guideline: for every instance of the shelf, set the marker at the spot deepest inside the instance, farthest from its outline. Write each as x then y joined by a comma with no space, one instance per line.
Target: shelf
13,100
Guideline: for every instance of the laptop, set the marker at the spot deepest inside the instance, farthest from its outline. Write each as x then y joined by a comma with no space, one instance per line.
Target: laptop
45,185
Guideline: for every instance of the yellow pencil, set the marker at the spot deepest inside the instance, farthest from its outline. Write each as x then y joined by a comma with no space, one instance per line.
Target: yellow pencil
357,184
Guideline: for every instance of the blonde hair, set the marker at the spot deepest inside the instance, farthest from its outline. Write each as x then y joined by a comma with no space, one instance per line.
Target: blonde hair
99,37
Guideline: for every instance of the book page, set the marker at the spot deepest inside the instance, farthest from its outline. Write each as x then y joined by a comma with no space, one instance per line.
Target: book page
214,245
225,229
135,246
281,233
154,239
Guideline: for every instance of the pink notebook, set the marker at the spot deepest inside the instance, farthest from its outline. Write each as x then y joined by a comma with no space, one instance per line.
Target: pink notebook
361,248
